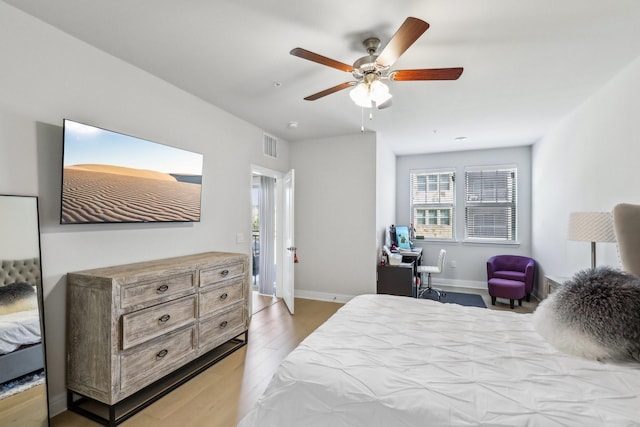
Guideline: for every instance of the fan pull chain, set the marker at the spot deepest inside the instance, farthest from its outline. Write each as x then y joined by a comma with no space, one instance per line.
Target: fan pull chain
362,121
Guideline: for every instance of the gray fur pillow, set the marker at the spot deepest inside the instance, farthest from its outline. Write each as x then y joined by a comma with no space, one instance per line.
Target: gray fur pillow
595,315
17,297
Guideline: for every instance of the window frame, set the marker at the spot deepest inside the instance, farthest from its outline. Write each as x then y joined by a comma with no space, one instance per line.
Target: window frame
511,193
438,207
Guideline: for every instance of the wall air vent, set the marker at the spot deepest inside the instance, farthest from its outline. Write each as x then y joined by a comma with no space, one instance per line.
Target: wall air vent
269,146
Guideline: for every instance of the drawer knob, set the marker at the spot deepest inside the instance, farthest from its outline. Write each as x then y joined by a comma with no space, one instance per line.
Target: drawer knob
162,289
224,296
164,319
162,353
223,324
224,273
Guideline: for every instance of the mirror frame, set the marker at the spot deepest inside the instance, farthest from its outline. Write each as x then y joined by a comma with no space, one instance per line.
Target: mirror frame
40,299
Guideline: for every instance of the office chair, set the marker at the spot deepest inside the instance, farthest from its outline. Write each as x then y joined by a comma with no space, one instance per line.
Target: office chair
437,269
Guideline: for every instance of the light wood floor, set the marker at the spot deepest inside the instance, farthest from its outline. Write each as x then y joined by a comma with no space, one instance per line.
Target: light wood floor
25,409
260,302
224,393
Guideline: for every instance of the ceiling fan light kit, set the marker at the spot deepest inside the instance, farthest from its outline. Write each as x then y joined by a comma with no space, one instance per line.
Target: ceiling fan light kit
369,71
370,91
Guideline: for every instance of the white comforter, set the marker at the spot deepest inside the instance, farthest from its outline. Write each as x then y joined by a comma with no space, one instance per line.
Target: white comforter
392,361
19,328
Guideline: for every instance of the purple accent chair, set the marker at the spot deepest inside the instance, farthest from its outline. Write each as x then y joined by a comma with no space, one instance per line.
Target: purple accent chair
510,277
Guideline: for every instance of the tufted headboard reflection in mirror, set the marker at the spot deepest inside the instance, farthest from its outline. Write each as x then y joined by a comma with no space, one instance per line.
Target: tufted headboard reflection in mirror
23,388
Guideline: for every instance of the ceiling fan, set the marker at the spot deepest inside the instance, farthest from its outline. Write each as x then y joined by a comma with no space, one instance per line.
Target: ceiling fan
370,70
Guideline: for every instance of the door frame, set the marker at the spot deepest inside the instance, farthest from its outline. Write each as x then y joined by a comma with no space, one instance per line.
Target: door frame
260,170
288,240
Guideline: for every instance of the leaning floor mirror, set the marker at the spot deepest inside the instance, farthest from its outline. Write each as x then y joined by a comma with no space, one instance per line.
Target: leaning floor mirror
23,388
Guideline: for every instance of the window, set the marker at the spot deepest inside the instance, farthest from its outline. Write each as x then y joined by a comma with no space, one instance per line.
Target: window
432,203
490,204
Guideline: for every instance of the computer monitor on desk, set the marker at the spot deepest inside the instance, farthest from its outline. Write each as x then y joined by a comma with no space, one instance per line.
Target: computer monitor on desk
402,236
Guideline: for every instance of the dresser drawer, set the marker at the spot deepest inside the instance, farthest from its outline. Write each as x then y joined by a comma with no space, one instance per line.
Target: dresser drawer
157,290
143,325
153,360
221,328
218,274
220,297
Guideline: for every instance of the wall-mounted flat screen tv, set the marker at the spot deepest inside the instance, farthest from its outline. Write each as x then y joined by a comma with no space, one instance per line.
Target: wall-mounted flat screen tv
109,177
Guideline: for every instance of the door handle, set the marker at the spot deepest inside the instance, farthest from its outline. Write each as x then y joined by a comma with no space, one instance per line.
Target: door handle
295,253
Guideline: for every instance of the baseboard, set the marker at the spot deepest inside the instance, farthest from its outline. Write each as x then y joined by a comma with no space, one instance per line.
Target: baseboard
57,404
323,296
471,284
343,298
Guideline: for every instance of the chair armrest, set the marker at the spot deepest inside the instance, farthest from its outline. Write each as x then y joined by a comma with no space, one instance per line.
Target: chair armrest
491,267
529,274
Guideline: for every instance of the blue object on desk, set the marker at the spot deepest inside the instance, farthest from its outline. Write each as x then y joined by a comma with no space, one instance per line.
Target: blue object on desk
402,236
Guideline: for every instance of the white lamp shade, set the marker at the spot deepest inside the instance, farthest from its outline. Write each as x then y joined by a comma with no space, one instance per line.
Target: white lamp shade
591,227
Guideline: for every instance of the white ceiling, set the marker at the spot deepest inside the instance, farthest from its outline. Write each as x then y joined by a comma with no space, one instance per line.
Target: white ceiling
527,63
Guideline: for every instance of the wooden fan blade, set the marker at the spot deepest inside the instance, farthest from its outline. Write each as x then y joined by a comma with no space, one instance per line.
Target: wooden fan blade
410,30
305,54
329,91
427,74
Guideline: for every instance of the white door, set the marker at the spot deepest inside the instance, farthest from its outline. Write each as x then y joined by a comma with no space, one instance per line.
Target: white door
289,250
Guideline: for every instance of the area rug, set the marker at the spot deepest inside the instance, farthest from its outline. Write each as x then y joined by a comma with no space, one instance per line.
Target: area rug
21,384
470,300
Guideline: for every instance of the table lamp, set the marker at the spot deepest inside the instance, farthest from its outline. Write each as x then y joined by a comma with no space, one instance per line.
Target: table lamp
591,227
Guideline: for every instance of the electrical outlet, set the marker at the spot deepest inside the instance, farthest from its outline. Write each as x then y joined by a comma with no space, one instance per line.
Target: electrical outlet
239,237
453,264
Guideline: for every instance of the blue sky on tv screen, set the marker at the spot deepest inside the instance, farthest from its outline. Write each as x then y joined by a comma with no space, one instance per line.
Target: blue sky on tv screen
84,144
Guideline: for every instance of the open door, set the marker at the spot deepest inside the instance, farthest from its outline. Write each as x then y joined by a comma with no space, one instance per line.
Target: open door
289,251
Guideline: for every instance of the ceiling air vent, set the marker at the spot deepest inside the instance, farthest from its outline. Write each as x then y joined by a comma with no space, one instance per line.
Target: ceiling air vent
269,146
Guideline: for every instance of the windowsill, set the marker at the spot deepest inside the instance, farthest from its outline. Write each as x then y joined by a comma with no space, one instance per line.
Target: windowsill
490,243
467,242
416,241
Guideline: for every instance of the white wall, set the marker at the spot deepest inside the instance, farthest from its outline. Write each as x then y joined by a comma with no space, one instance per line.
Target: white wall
589,162
19,236
385,191
335,225
46,76
470,258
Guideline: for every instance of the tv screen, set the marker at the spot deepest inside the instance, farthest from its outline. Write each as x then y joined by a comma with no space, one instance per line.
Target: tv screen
109,177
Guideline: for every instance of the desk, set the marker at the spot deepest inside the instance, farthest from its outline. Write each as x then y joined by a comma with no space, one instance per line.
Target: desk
412,256
396,280
400,279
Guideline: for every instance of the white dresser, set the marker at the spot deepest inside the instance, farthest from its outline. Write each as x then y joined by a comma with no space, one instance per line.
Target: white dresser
551,283
130,326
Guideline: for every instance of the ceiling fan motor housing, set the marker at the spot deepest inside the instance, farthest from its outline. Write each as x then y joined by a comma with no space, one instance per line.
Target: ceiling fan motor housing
367,64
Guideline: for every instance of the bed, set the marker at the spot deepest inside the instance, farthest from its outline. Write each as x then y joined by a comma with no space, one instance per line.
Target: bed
20,336
385,360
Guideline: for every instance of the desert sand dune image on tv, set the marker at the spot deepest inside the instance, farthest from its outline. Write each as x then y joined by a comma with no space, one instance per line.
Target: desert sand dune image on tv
110,177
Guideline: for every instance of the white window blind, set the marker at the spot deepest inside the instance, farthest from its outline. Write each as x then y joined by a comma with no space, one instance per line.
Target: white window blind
490,203
433,203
